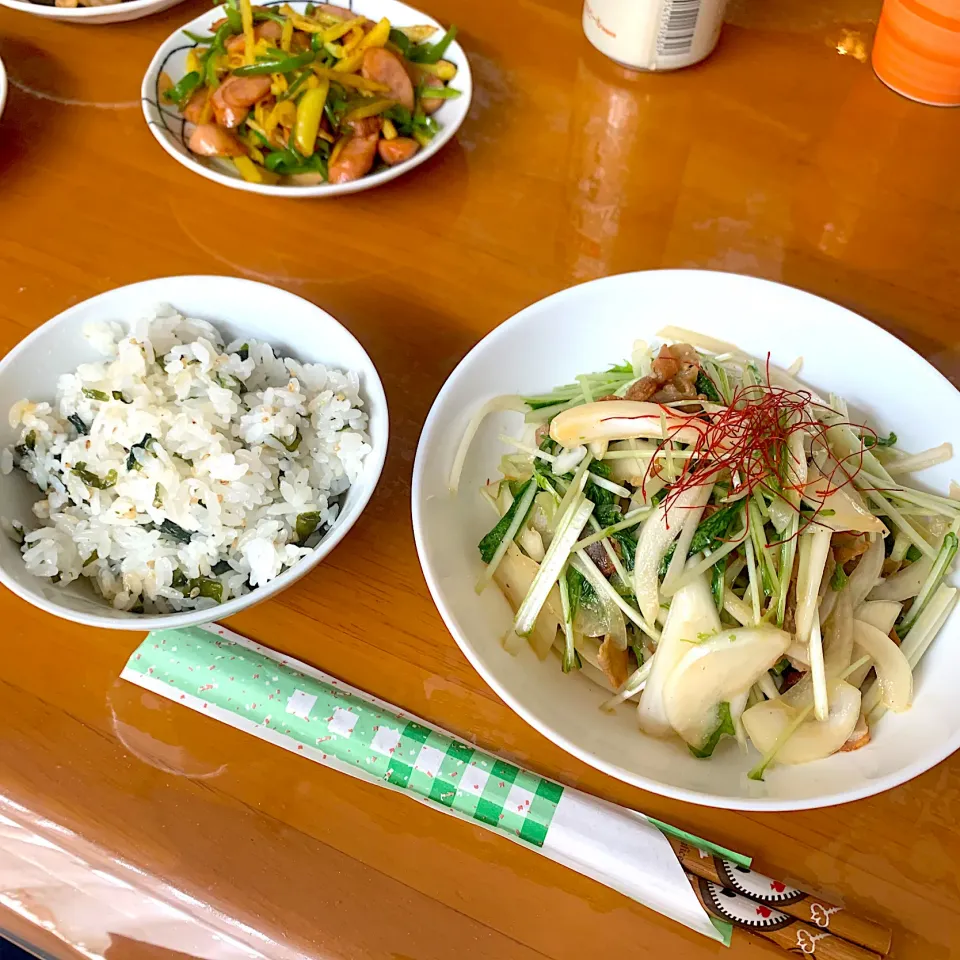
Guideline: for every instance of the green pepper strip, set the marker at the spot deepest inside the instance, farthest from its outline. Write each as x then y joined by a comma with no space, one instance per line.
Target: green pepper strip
437,93
284,65
264,14
431,52
294,87
180,93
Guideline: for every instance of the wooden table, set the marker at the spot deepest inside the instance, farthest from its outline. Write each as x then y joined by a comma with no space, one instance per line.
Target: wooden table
782,156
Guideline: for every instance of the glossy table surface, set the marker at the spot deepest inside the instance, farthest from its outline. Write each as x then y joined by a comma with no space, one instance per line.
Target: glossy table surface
781,156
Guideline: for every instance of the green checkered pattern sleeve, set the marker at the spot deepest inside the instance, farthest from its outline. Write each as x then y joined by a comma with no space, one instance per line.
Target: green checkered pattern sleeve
338,722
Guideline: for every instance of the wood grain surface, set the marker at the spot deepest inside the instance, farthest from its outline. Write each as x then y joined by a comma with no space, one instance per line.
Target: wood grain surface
781,156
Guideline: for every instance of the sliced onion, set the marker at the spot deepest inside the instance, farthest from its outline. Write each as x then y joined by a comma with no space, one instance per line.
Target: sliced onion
838,644
905,584
631,469
691,520
514,576
598,449
692,614
718,670
894,676
849,512
647,489
621,420
867,572
532,543
568,459
493,405
814,547
881,614
766,722
617,631
656,535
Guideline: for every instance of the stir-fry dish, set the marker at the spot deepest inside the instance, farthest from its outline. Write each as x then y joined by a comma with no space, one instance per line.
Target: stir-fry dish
700,532
304,98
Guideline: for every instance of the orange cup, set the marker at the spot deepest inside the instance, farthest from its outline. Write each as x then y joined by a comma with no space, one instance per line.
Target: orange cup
917,50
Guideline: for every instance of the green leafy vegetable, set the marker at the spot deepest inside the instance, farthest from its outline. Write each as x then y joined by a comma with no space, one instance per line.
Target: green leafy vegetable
244,352
488,545
175,531
869,440
208,587
628,547
221,567
95,394
290,445
575,584
117,395
724,728
705,386
132,462
82,428
913,553
93,557
92,480
29,444
839,579
717,581
306,524
715,529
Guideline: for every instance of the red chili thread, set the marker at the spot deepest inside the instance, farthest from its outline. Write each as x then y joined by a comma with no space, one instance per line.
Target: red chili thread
748,439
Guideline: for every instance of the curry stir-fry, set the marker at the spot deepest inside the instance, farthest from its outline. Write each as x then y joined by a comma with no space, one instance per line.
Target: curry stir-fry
311,97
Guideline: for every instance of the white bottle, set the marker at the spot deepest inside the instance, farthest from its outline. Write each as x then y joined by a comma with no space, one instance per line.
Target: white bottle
654,34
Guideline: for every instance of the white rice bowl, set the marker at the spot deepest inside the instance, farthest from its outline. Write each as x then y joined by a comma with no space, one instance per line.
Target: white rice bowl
187,487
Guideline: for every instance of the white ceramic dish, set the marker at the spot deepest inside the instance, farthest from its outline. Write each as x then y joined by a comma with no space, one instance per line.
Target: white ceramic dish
587,328
294,326
168,126
3,87
114,13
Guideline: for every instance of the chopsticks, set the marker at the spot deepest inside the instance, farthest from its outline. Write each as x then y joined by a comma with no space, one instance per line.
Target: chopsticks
795,920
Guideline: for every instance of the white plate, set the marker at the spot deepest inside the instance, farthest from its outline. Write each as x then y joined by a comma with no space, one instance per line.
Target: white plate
293,326
3,87
114,13
169,127
587,328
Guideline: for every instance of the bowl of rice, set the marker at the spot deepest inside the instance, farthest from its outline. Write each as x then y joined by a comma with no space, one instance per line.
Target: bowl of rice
174,451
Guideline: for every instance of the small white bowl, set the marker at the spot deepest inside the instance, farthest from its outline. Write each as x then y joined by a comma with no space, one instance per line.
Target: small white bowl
170,128
293,326
588,328
114,13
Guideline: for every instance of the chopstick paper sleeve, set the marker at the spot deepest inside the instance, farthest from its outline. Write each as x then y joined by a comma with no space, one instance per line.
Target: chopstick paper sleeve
289,703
